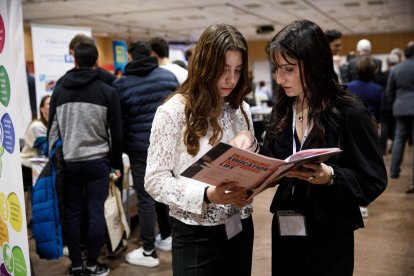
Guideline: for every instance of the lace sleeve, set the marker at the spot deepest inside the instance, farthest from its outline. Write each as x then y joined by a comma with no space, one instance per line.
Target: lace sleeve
167,157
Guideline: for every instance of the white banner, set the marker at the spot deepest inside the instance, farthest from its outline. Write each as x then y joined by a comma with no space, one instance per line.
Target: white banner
51,55
15,116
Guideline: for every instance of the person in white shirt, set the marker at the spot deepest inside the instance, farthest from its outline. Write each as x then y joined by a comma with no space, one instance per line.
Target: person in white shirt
263,93
208,108
160,50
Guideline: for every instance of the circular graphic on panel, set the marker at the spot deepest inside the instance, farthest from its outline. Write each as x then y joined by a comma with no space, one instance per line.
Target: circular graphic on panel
4,233
4,86
2,34
20,268
1,141
4,207
8,133
8,257
15,216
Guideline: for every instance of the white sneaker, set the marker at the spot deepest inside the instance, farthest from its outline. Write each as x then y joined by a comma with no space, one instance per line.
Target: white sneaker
165,244
139,257
65,251
364,211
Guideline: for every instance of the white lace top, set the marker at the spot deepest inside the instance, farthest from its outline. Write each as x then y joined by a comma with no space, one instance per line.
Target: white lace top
168,158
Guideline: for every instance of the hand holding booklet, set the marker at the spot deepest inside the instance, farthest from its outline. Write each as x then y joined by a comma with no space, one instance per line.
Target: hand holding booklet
225,163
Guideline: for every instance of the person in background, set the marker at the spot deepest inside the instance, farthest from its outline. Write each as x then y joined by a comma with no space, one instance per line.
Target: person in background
344,68
263,94
180,63
250,98
368,91
321,200
188,53
160,49
400,92
204,111
85,114
118,73
400,54
35,131
335,43
31,83
363,48
104,74
371,95
387,119
107,77
35,145
142,89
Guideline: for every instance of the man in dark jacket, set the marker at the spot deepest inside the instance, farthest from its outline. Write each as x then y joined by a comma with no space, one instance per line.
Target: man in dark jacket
142,90
400,94
85,112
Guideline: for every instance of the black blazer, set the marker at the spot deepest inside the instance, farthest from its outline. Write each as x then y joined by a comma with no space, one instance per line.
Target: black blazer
360,174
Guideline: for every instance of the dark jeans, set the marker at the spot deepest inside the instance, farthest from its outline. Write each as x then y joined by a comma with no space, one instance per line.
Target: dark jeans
205,250
86,186
148,209
404,129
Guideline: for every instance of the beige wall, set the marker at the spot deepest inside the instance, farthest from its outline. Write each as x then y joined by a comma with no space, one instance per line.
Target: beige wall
381,44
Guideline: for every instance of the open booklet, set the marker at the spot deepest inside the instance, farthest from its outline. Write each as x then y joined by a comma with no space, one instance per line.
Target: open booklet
225,163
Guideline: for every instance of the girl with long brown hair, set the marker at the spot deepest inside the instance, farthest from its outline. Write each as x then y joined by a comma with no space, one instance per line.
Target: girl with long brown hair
208,108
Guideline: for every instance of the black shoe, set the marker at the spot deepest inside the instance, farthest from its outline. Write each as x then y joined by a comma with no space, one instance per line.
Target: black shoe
98,270
410,189
76,271
118,251
395,175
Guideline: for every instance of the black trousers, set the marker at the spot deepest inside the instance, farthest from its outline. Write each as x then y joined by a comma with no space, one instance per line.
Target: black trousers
86,186
318,254
206,251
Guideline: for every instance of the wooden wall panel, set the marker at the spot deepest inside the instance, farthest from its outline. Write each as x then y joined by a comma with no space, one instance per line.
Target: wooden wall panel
381,44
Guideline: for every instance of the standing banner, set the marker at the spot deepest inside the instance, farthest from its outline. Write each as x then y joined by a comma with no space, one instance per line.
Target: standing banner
14,102
120,55
51,55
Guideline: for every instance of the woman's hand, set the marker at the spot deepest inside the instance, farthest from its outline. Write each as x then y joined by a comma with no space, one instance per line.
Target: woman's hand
319,174
228,193
244,140
115,175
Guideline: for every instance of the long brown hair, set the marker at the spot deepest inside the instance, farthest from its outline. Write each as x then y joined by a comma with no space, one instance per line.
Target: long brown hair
203,101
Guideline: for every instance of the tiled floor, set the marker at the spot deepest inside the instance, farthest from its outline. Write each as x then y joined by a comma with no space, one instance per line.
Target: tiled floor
385,247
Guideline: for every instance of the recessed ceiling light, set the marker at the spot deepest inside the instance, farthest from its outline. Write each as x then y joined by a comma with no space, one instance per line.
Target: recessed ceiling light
287,3
375,2
352,4
253,6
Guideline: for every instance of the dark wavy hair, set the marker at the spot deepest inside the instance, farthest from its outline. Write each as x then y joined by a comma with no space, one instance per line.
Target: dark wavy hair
305,42
203,101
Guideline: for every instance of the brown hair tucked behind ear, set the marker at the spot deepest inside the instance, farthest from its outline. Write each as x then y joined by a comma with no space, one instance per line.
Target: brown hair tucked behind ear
203,100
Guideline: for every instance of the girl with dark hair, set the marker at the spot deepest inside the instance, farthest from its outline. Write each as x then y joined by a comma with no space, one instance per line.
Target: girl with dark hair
36,129
316,207
208,108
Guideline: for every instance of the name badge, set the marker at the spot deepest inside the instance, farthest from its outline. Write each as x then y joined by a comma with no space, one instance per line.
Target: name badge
291,223
233,225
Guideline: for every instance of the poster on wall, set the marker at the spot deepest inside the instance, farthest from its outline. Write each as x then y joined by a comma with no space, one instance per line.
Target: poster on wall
51,56
14,248
120,55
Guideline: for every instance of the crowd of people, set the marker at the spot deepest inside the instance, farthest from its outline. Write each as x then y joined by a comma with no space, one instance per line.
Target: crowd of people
165,117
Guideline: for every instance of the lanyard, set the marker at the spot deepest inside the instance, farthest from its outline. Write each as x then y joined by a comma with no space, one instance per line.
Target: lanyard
305,134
